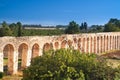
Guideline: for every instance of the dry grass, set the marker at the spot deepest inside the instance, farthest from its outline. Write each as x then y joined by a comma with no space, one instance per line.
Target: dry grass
113,58
114,63
12,78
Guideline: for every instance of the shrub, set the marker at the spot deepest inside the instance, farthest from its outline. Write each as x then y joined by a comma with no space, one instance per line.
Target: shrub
1,75
68,65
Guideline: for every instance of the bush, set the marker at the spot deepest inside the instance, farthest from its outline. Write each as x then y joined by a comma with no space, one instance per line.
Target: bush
68,65
1,75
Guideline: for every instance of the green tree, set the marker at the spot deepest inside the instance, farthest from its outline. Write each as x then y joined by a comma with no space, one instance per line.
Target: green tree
19,29
96,28
112,25
111,28
5,31
14,29
68,64
73,28
84,27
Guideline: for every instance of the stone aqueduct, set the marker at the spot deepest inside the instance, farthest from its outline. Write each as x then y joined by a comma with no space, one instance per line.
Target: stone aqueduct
31,46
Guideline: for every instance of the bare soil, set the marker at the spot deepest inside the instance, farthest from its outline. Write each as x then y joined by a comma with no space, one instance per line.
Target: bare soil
112,55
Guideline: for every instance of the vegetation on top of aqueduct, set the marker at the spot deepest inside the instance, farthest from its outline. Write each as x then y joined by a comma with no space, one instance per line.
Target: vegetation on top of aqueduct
18,29
68,64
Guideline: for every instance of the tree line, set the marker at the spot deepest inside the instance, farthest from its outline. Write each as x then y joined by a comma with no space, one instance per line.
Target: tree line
17,29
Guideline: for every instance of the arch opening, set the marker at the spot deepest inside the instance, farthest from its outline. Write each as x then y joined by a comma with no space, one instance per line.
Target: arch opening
56,45
22,56
47,47
70,43
35,50
64,44
8,53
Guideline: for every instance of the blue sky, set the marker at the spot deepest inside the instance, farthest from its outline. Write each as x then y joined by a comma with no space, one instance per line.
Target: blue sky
53,12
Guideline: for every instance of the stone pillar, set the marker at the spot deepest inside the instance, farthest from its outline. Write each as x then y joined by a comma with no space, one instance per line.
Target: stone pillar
116,43
87,45
84,44
81,43
1,61
104,43
110,42
113,43
98,44
29,54
95,44
15,62
91,45
119,43
40,51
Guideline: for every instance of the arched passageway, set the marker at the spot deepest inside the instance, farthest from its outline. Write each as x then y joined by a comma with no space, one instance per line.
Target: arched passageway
8,53
64,44
47,47
35,50
56,44
70,43
22,56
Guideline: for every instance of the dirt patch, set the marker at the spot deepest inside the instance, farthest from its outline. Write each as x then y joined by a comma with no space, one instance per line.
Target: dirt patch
112,55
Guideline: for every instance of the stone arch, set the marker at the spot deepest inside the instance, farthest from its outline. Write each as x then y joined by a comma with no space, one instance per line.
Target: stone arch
8,53
56,44
70,43
47,47
35,50
95,44
75,40
22,56
63,44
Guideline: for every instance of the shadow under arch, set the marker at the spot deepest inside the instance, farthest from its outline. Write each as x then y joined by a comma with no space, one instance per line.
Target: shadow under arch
47,47
35,50
63,44
22,56
8,53
56,44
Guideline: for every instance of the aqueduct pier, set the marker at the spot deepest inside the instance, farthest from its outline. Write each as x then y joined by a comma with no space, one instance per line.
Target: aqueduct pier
29,47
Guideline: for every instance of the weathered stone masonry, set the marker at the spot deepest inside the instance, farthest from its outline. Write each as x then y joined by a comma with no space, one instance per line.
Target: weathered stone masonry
32,46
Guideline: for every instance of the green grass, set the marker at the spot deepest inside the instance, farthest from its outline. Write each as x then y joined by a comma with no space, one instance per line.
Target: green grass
5,61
